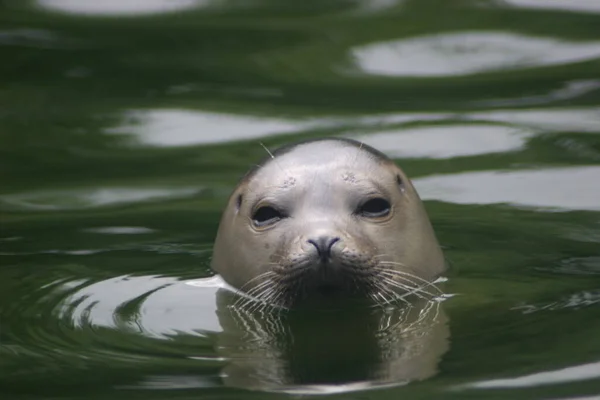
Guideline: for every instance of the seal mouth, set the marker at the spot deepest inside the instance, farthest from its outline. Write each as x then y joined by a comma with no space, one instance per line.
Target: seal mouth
328,289
326,278
327,281
379,284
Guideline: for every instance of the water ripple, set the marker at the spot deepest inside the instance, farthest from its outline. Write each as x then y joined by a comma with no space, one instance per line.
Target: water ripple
123,319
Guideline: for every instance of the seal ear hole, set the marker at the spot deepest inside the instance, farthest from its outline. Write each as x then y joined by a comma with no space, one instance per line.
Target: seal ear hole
400,182
266,215
375,208
239,202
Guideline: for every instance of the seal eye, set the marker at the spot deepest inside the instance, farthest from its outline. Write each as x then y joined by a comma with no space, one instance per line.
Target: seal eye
375,208
266,215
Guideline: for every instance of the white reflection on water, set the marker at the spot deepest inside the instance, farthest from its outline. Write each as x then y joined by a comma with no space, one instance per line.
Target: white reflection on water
175,382
552,189
40,38
582,119
485,135
571,374
170,306
469,52
574,301
490,131
569,90
447,141
549,119
592,6
119,7
120,230
52,200
178,127
378,5
578,398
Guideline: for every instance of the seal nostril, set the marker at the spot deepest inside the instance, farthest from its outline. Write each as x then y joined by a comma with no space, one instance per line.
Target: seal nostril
323,245
331,243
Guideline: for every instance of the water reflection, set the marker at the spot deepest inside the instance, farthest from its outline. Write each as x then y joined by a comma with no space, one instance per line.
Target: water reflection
162,306
575,301
447,141
121,230
39,38
468,53
570,90
378,5
549,119
171,382
179,127
569,188
119,7
592,6
305,351
340,350
557,377
53,200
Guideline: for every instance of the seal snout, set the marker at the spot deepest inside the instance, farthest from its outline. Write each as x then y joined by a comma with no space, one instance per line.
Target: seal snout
323,244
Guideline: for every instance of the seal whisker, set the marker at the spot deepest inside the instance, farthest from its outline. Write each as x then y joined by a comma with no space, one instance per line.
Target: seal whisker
255,294
404,273
380,255
407,289
393,296
398,284
424,283
400,280
416,290
386,300
292,276
267,150
251,294
273,296
276,298
378,298
272,156
261,292
263,275
382,290
267,292
256,306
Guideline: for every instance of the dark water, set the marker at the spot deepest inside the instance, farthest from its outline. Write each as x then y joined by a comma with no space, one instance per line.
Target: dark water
122,136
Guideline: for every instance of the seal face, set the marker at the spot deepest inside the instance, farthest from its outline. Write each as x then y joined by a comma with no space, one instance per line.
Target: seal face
324,217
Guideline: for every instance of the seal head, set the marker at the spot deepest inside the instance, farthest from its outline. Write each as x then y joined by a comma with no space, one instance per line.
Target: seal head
325,217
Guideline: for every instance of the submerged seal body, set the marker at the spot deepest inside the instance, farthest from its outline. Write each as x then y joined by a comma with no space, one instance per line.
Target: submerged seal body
322,217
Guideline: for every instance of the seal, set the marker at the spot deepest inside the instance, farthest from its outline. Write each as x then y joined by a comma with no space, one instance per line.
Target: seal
326,217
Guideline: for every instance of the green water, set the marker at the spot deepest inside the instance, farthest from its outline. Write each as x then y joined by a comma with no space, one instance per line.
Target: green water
122,136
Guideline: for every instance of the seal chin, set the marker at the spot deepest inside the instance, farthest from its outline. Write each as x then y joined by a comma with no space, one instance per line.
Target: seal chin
324,279
330,288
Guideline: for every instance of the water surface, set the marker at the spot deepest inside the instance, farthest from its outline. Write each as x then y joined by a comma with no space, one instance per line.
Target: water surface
124,126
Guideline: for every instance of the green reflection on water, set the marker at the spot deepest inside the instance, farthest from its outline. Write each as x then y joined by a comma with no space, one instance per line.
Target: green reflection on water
526,281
